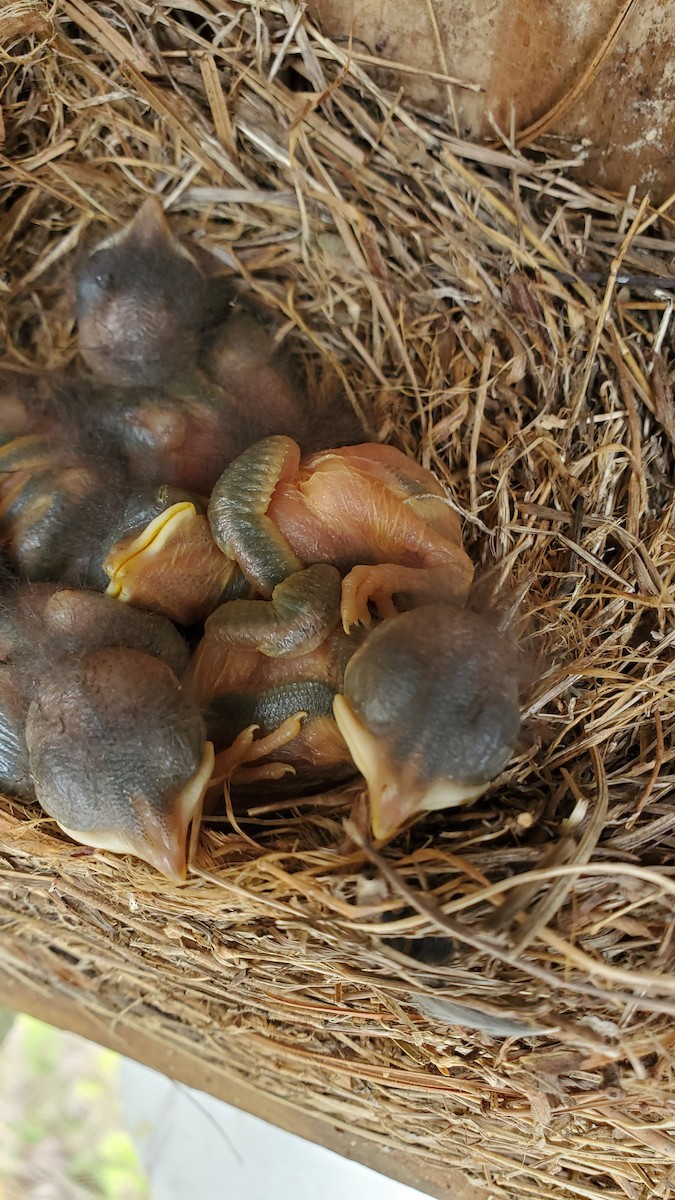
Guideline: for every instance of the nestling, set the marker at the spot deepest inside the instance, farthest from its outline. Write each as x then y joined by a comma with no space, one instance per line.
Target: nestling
95,724
379,517
430,711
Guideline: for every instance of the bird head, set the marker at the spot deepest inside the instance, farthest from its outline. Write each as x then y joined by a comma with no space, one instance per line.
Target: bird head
141,303
430,711
118,755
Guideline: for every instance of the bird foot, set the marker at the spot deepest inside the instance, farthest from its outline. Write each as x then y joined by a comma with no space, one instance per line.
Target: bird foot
374,585
235,763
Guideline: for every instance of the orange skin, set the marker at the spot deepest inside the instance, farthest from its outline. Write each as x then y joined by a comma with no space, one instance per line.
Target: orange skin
311,745
378,516
216,668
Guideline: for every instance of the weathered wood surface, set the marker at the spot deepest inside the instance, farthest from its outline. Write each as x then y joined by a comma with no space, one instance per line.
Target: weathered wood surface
603,72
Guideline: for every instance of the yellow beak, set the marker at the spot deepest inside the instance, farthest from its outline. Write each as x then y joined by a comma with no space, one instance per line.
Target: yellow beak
172,567
397,792
162,840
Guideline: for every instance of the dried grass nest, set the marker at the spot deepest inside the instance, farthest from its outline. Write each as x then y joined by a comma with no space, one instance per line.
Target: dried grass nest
471,301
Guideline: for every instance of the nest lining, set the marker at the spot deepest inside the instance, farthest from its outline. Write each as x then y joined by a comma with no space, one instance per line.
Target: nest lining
469,301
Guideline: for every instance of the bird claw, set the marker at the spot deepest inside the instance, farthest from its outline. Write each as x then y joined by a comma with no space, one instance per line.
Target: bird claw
235,762
362,587
264,773
377,584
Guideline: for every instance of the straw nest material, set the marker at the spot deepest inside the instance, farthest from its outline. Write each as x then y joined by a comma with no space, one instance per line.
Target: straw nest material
470,301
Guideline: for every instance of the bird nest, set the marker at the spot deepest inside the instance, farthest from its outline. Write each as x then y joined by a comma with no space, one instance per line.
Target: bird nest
509,328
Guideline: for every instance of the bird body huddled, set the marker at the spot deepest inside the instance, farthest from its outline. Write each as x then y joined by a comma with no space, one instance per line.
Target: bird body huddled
179,475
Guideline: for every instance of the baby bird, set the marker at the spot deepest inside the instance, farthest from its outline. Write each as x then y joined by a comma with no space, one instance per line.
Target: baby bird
178,386
14,769
43,491
275,666
159,554
52,485
259,380
267,390
47,472
429,709
142,308
118,755
380,518
426,703
181,434
142,303
70,515
144,311
96,726
25,404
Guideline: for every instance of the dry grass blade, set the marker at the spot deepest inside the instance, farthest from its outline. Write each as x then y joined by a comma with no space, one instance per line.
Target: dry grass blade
450,288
